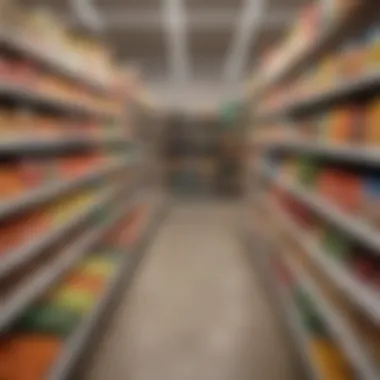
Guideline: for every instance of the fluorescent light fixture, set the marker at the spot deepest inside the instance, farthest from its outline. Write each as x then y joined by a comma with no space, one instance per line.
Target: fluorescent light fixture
177,39
87,14
247,29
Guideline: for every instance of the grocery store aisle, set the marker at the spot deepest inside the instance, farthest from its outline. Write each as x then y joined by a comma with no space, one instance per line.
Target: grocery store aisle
195,310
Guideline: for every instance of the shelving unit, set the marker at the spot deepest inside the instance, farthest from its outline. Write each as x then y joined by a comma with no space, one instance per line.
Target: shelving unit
43,279
304,54
353,226
301,337
77,344
364,296
345,337
74,191
326,244
29,251
40,196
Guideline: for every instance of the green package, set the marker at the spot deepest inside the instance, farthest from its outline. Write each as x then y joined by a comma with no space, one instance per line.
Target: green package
49,319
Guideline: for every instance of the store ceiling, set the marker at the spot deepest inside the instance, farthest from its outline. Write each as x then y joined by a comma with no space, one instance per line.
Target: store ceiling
185,45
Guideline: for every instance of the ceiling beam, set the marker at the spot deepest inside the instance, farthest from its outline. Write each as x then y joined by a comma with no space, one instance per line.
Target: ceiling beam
123,19
175,24
247,29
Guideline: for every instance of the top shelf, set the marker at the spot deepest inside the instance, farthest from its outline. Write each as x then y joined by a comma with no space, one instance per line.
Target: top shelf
52,62
328,36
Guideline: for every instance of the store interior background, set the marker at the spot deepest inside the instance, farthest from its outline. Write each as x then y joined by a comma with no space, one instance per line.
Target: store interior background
193,58
189,189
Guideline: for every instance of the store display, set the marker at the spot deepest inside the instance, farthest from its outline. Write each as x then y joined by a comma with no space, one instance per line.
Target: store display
60,312
68,216
203,156
316,135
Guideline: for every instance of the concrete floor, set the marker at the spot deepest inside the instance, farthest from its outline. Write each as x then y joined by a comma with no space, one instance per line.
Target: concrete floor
195,310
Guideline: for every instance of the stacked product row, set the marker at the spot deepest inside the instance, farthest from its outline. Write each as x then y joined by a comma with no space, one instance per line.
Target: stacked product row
354,123
314,23
353,190
351,61
44,36
43,63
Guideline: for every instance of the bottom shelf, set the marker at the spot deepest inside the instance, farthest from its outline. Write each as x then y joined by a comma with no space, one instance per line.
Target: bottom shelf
52,336
282,299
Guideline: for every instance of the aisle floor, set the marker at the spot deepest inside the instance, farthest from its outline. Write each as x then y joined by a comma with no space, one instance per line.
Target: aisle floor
195,310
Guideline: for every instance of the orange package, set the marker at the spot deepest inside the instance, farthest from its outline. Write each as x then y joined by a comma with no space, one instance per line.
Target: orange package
372,130
339,131
326,183
27,357
92,284
10,179
10,236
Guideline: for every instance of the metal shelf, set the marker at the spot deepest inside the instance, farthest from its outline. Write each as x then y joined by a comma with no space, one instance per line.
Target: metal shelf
18,257
348,153
347,91
79,341
56,145
48,193
349,342
39,281
51,61
36,98
355,227
360,293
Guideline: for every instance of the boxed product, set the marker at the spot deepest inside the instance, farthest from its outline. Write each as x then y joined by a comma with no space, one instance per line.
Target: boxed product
329,359
372,130
73,299
337,244
82,281
11,182
97,266
28,356
308,171
373,49
371,199
49,319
